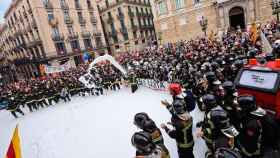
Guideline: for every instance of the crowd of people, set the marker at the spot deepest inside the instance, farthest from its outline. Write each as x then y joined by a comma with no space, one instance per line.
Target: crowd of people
200,72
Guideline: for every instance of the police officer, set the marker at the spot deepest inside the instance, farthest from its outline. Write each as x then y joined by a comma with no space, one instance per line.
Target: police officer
182,122
143,121
145,148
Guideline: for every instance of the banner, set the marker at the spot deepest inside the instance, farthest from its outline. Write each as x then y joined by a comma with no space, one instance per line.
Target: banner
266,45
56,69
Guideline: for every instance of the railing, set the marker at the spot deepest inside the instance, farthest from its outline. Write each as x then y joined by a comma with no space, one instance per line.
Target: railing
48,6
68,20
78,6
131,13
93,20
120,15
82,20
86,34
64,6
96,33
34,42
73,36
58,37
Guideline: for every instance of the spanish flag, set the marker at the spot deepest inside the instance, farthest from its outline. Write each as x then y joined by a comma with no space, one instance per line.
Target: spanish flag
14,150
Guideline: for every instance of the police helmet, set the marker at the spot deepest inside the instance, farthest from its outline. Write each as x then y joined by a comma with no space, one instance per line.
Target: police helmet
143,142
209,101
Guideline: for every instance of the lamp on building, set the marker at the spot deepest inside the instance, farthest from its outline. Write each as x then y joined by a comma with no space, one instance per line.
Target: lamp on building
203,23
275,4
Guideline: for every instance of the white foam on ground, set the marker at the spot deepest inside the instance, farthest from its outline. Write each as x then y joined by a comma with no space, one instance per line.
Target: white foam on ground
90,126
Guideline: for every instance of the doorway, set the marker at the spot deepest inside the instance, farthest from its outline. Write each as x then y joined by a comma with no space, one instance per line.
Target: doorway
237,18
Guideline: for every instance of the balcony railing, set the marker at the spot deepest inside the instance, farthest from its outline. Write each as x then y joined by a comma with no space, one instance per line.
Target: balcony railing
120,16
110,20
123,30
73,36
68,21
78,6
53,22
33,42
134,27
64,6
93,20
86,34
97,34
131,14
58,37
82,21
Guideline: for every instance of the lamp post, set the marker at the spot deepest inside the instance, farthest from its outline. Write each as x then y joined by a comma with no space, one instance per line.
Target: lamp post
203,23
275,4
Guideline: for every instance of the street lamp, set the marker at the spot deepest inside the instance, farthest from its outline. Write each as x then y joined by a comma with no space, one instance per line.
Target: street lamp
276,8
203,23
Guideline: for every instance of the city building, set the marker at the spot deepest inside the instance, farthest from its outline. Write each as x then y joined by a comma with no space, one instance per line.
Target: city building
50,32
127,24
185,19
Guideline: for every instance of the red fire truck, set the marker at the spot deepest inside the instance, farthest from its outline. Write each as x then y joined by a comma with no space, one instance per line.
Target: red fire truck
262,81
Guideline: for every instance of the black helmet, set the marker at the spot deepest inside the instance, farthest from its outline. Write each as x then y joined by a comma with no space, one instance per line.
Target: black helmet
229,87
269,57
140,119
179,106
143,142
247,103
215,66
252,53
227,153
211,77
221,121
209,101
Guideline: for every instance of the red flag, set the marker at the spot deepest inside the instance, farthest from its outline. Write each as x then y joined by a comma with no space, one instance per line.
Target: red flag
14,150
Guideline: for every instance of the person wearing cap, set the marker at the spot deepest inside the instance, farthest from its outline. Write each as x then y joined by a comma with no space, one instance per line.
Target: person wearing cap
260,133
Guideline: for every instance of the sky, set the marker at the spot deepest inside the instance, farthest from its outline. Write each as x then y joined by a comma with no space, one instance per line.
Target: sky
4,4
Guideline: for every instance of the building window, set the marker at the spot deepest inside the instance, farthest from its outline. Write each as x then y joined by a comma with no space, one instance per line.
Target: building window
162,7
50,16
60,48
179,4
70,29
107,3
55,31
196,1
87,43
66,14
75,45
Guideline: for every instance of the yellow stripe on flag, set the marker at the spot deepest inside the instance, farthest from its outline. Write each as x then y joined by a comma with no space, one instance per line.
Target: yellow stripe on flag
16,143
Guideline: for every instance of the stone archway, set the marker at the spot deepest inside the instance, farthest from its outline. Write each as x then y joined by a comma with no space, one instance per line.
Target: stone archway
237,17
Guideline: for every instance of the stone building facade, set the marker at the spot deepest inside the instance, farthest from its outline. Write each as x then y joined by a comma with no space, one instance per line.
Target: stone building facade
127,24
179,19
50,31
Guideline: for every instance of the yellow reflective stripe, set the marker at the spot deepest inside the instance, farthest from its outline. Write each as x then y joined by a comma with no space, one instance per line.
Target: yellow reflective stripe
186,144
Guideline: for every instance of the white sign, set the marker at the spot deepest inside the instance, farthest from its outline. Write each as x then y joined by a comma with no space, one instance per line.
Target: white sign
55,69
258,79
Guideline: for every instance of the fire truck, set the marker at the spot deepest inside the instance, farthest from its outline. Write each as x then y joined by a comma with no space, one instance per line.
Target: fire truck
261,80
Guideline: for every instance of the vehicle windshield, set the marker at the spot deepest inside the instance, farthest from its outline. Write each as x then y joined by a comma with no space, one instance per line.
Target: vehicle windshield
258,79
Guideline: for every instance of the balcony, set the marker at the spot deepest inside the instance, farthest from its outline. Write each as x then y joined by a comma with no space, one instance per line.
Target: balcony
53,22
48,6
33,24
93,20
86,34
120,16
110,20
73,36
123,30
68,21
96,33
78,6
82,21
64,6
134,27
33,42
58,37
131,14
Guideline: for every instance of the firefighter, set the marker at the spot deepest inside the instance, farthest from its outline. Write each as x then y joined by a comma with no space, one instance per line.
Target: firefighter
260,133
182,123
144,122
145,148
